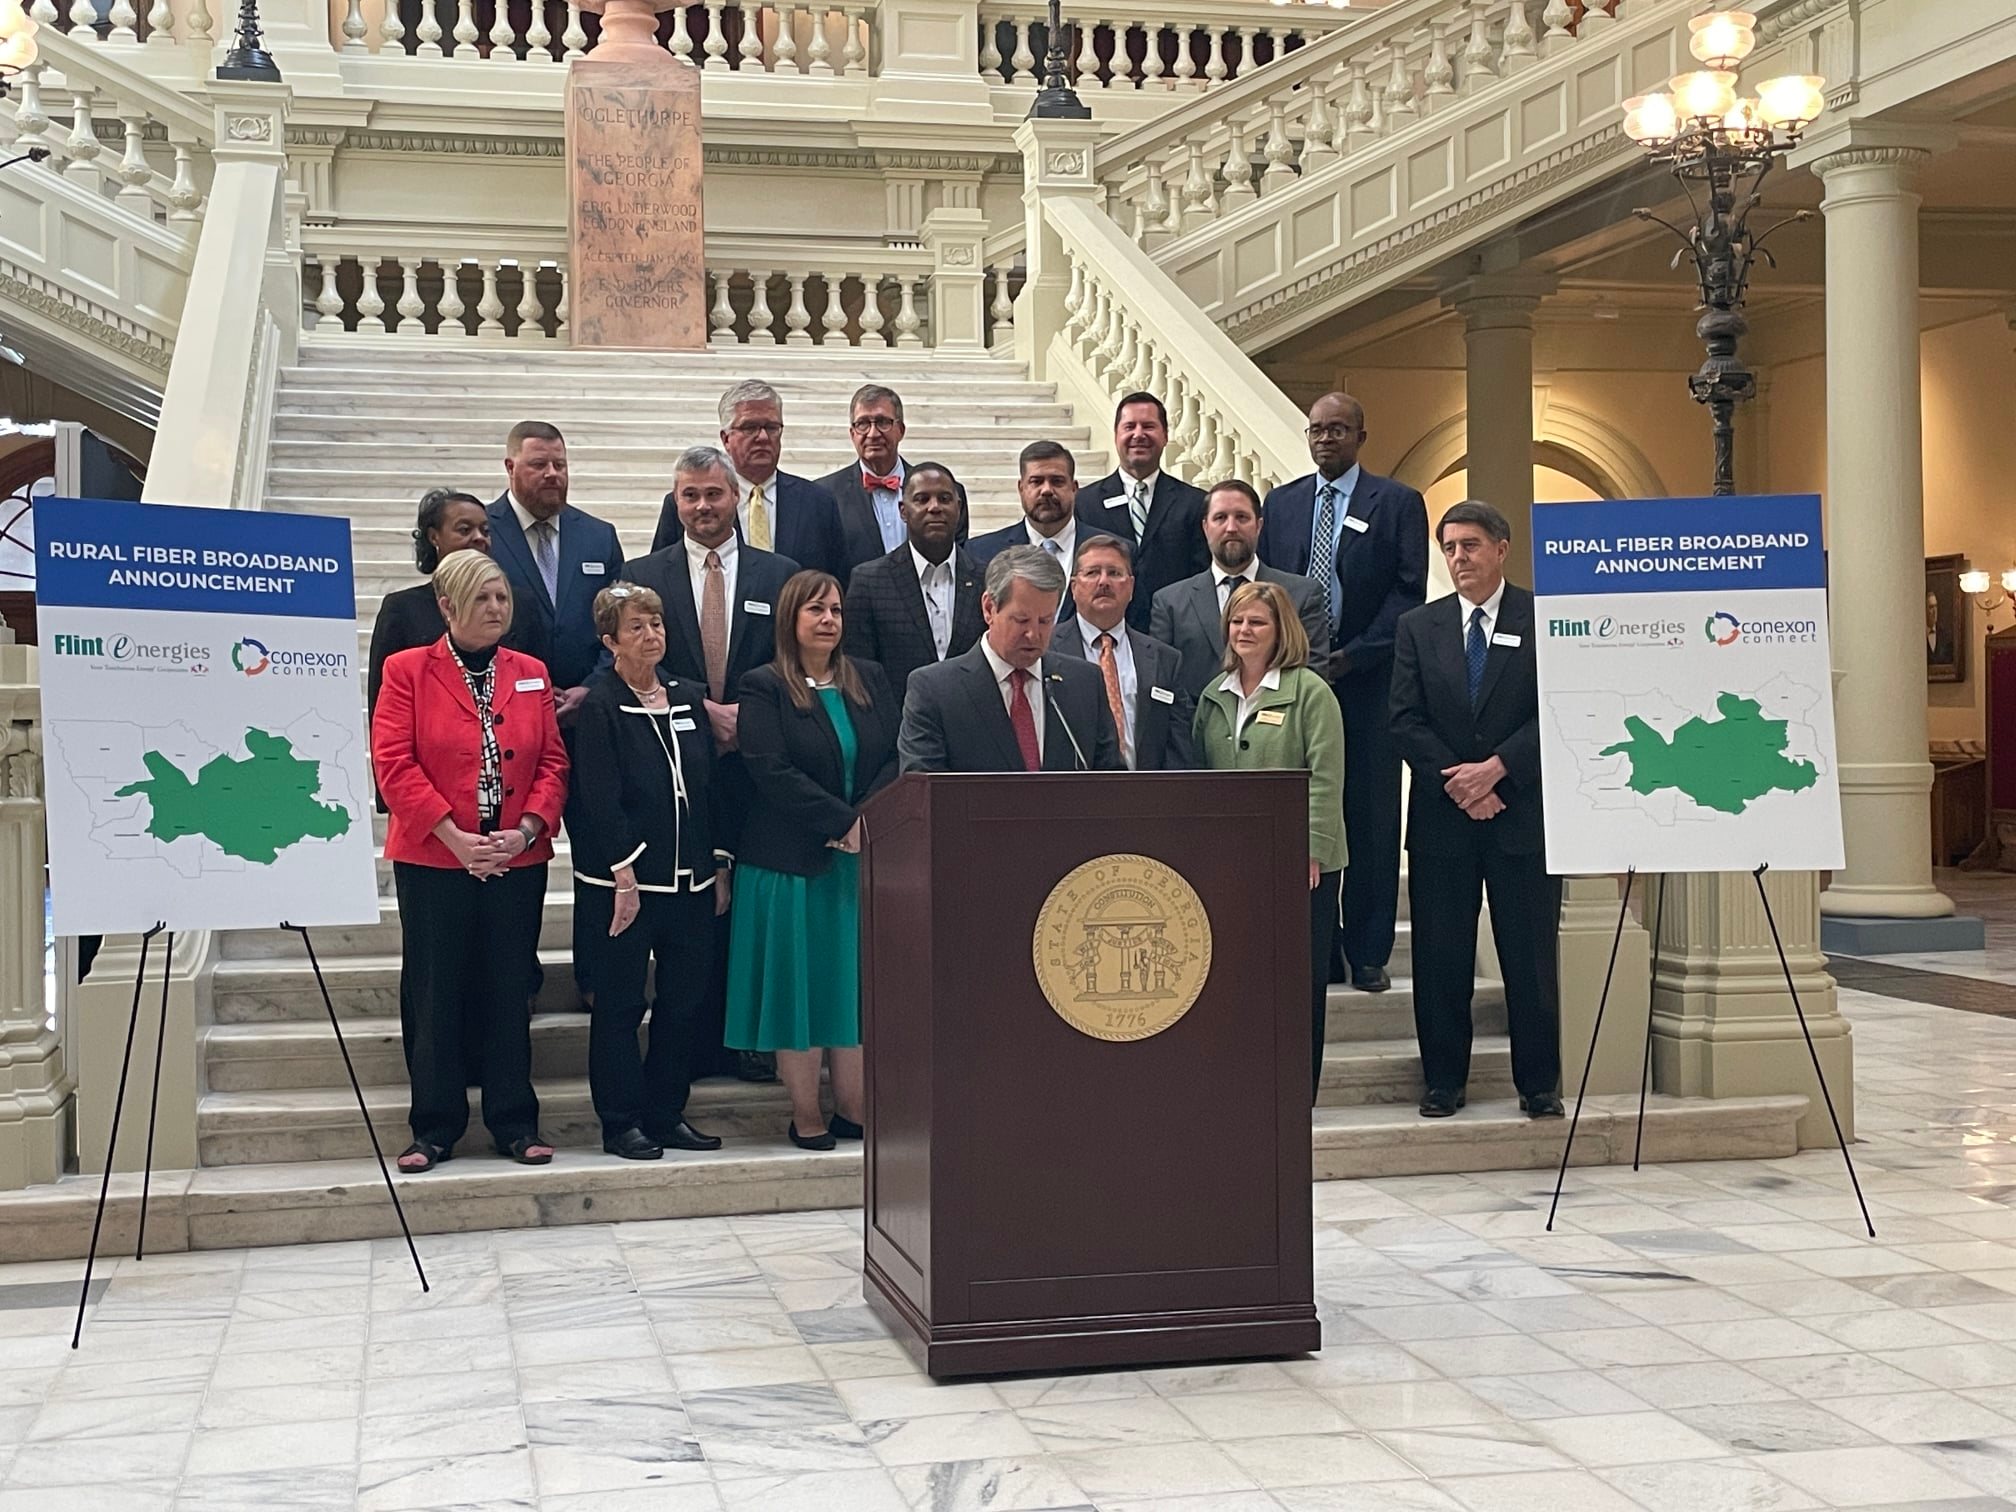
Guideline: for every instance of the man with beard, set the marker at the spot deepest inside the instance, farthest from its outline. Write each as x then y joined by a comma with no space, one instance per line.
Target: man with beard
1159,517
1190,615
1152,708
1048,485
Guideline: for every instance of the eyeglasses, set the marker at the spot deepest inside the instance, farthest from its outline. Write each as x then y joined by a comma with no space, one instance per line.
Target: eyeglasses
757,428
869,423
1332,432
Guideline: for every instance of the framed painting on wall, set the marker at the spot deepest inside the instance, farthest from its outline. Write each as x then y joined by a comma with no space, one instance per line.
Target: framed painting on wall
1945,620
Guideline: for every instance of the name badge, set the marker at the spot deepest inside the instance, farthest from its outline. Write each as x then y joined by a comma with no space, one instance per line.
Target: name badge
594,569
755,606
1352,522
1271,717
1162,695
683,724
1118,501
528,684
1502,639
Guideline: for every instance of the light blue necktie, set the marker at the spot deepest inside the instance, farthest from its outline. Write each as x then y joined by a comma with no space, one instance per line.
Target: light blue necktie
1323,548
546,552
1474,652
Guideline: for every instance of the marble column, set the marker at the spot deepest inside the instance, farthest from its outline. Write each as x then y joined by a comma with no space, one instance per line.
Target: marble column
1876,528
1589,909
1497,311
957,240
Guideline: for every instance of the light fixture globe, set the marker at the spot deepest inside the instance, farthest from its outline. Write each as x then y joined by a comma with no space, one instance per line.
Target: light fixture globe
2009,580
1650,120
17,38
1791,102
1722,39
1974,582
1707,94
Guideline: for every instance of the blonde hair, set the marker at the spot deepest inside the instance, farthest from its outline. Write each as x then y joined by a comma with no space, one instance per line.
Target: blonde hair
613,600
461,576
1291,641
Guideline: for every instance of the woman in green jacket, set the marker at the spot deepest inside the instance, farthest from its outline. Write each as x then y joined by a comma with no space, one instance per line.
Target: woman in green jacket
1270,713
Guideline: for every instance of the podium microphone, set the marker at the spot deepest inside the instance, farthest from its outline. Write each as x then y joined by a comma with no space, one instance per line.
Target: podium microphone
1058,709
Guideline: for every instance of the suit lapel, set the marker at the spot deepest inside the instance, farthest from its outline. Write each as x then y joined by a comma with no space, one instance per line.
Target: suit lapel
442,665
751,585
967,622
910,588
992,713
573,525
1060,752
507,537
678,596
1364,499
1514,618
1204,602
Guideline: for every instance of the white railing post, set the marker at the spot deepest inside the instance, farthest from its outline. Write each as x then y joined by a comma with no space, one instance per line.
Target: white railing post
928,60
1057,162
956,240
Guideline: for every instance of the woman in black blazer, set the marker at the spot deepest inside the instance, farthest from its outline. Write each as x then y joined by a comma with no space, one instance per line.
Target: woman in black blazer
817,731
449,522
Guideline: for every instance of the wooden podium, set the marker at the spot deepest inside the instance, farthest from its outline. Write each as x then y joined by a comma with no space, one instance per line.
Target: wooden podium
1041,1198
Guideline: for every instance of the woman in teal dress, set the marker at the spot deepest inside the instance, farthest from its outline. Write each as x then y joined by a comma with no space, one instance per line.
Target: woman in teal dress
817,731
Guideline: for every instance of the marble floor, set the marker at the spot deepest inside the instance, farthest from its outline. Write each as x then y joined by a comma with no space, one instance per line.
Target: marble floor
1691,1338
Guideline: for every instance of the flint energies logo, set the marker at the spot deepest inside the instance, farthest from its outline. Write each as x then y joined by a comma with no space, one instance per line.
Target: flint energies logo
250,657
1723,628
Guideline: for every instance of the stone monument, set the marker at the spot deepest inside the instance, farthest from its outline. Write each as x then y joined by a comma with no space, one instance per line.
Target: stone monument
637,273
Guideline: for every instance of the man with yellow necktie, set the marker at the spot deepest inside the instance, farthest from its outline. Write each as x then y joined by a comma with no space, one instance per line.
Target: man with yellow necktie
774,510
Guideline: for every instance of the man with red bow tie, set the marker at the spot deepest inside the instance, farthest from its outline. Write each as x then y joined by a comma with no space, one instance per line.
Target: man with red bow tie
869,490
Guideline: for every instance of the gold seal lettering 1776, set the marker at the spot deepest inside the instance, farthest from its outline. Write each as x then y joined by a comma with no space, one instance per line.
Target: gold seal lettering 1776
1122,947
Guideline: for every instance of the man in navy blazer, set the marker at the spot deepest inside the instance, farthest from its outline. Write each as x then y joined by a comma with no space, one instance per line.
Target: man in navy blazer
1159,517
775,511
1047,482
869,490
556,558
1364,539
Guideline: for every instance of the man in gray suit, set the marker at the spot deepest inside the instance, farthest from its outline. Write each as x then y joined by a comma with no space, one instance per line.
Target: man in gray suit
1151,704
1189,615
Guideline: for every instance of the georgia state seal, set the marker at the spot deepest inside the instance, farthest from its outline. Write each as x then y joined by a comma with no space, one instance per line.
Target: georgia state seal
1122,947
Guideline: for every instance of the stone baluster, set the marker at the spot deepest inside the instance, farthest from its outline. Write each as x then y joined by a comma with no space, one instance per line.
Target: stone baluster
1521,47
1142,372
428,31
1120,67
1277,149
797,319
574,37
762,323
42,13
681,42
1126,352
1477,63
185,200
854,56
1002,311
750,48
1151,55
538,36
531,308
1087,61
31,122
1200,193
161,24
1186,62
716,47
1092,325
490,306
1155,206
1238,171
391,31
907,320
1375,121
1438,75
504,40
1319,129
83,22
1187,422
1112,334
1555,18
1356,116
370,303
560,304
121,18
81,147
833,319
465,30
1074,302
411,307
785,52
451,305
820,53
1022,60
990,51
1214,66
1204,449
354,28
197,26
722,315
1399,86
328,303
1226,464
871,309
133,173
1596,20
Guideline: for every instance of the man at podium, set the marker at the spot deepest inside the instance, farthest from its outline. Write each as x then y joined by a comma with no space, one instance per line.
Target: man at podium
1009,705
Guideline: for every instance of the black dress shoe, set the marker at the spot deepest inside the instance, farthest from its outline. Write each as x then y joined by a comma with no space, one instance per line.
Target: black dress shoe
1436,1103
632,1144
683,1136
755,1066
1540,1105
820,1141
844,1128
1370,978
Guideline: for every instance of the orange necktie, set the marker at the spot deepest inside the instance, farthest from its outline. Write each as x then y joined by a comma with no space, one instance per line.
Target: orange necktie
714,627
1109,668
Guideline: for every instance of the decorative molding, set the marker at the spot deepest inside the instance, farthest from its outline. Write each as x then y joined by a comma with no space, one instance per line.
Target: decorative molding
1910,159
1065,161
1797,14
249,128
959,255
716,154
90,320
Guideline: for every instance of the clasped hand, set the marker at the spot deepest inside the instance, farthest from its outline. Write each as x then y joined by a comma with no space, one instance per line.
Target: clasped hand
1472,787
486,856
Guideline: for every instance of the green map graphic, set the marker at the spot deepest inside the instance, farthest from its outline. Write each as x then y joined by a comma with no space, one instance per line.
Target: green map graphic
253,809
1722,764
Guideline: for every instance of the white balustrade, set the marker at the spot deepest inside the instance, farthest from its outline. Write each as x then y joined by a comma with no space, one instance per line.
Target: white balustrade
433,296
137,150
1117,49
719,35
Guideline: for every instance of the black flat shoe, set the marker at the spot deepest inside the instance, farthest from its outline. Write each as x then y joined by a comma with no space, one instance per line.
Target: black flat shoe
1371,979
632,1144
820,1141
683,1136
844,1128
755,1066
1439,1104
1541,1105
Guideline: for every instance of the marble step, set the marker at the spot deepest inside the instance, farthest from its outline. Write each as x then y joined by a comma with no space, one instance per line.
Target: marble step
991,446
353,350
819,424
329,1200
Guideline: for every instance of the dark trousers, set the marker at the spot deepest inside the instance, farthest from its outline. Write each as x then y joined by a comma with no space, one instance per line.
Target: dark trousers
1322,929
1371,816
468,947
1445,893
582,951
645,1090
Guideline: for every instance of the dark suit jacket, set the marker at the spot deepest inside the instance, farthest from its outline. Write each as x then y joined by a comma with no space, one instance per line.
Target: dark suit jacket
1174,548
1435,727
1186,615
804,525
860,534
954,719
752,634
591,558
985,548
801,799
1161,725
887,622
1382,569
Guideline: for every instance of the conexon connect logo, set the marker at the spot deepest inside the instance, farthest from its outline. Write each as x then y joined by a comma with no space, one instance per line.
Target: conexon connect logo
250,657
1723,628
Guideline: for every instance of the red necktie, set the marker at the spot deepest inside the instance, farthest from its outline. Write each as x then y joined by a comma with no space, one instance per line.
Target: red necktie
890,484
1023,718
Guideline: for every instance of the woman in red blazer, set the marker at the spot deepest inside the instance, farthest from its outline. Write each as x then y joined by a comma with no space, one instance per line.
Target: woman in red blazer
468,756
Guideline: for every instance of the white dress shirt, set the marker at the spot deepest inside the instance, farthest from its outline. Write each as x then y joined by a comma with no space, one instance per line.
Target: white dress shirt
1034,691
1123,662
935,578
1490,606
696,573
888,506
1269,682
1066,539
1225,581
